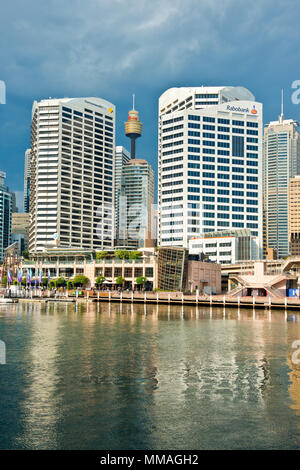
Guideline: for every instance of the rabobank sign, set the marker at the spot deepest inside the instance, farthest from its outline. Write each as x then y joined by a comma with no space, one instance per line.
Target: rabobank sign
238,109
2,92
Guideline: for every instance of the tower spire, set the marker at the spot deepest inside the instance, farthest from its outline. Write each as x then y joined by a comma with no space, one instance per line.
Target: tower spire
281,115
133,127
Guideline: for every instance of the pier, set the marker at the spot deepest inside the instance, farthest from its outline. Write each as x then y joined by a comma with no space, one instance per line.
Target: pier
164,298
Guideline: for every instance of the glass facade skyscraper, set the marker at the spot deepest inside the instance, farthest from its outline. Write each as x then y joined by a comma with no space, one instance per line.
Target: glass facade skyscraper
6,207
136,205
281,163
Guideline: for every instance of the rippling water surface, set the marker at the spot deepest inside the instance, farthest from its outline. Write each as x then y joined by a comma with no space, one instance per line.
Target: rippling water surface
102,376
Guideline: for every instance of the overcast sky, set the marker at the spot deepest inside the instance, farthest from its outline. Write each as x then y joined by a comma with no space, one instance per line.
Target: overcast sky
113,48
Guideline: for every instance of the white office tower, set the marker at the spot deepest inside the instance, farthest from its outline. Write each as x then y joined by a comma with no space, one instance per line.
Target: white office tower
122,156
209,163
72,173
281,162
27,181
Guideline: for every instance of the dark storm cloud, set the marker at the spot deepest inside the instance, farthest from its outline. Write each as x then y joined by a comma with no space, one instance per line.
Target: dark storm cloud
113,48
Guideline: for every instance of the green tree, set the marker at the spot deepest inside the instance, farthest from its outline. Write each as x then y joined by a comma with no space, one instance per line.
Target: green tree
141,280
52,283
135,254
80,280
69,285
99,280
4,280
101,254
61,282
25,254
120,280
122,254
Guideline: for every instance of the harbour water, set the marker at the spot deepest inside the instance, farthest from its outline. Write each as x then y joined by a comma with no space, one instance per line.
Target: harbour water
110,376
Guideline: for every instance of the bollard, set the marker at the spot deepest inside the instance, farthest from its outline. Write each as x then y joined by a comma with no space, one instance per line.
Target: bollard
157,297
98,295
109,295
131,296
197,296
239,301
210,299
224,300
169,298
285,308
121,296
182,297
145,297
253,301
87,295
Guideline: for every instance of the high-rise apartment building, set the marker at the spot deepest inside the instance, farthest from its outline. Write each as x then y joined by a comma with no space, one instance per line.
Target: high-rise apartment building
122,156
209,163
281,162
294,215
6,203
27,180
72,173
136,207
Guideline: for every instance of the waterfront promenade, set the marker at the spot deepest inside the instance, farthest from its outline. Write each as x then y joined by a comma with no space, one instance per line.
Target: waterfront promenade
172,298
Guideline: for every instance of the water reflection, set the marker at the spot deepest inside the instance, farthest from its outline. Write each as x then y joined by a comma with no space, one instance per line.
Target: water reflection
109,376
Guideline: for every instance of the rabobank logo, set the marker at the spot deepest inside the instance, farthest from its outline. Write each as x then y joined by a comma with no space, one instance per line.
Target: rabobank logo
239,109
2,92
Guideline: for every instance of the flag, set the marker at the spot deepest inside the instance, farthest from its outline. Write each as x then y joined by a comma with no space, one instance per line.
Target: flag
9,276
29,274
48,275
41,276
20,275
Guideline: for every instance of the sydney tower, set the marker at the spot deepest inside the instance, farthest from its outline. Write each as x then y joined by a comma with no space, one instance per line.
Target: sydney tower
133,128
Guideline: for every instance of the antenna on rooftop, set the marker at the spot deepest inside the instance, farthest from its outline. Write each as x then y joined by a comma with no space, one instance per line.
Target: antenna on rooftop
281,115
